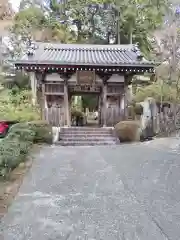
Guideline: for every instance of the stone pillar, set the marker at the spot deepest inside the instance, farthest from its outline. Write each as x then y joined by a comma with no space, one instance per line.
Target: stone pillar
66,105
104,104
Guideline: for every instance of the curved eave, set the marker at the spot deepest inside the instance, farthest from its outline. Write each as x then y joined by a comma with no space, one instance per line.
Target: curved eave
135,68
65,64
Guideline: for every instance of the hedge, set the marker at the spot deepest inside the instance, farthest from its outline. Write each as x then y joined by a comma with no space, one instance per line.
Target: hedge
128,131
13,151
16,145
43,131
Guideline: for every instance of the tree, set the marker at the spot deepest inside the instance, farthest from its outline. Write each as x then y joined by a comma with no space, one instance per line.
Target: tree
98,22
6,11
6,18
33,24
24,4
139,18
28,23
133,19
167,51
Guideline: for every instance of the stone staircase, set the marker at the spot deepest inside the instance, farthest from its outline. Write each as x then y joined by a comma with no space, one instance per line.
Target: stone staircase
86,136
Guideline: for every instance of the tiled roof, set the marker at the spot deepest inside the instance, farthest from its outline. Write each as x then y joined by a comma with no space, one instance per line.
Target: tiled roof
82,54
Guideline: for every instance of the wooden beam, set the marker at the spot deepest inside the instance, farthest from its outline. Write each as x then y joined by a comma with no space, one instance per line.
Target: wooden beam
114,94
54,83
54,94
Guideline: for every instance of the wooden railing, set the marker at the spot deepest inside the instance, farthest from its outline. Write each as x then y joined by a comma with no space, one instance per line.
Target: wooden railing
54,116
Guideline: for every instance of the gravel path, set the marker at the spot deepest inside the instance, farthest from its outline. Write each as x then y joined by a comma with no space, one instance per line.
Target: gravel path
127,192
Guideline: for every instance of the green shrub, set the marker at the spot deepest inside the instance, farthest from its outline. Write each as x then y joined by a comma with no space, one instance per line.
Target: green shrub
16,105
128,131
35,131
25,147
16,145
22,125
76,113
12,153
135,110
138,109
21,133
43,131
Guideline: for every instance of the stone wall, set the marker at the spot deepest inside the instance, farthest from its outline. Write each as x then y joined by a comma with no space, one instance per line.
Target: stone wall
165,121
169,120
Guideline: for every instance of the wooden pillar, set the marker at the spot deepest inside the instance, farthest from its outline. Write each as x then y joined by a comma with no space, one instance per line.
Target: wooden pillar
43,101
99,111
125,102
33,81
66,105
69,108
104,104
127,82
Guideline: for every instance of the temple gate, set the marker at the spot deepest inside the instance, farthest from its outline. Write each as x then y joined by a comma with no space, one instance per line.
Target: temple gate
60,70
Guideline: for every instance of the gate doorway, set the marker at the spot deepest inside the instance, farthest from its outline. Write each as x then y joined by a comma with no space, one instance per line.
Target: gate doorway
85,109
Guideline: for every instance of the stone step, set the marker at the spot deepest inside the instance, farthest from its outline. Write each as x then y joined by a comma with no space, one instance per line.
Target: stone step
86,129
85,143
88,138
85,132
81,134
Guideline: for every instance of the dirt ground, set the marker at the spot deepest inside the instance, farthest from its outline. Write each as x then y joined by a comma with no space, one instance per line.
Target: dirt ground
10,187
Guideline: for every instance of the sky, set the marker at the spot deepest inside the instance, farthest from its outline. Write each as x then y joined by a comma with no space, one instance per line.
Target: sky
15,4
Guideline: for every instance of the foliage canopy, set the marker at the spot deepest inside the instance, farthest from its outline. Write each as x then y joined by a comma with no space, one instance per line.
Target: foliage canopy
165,93
96,22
